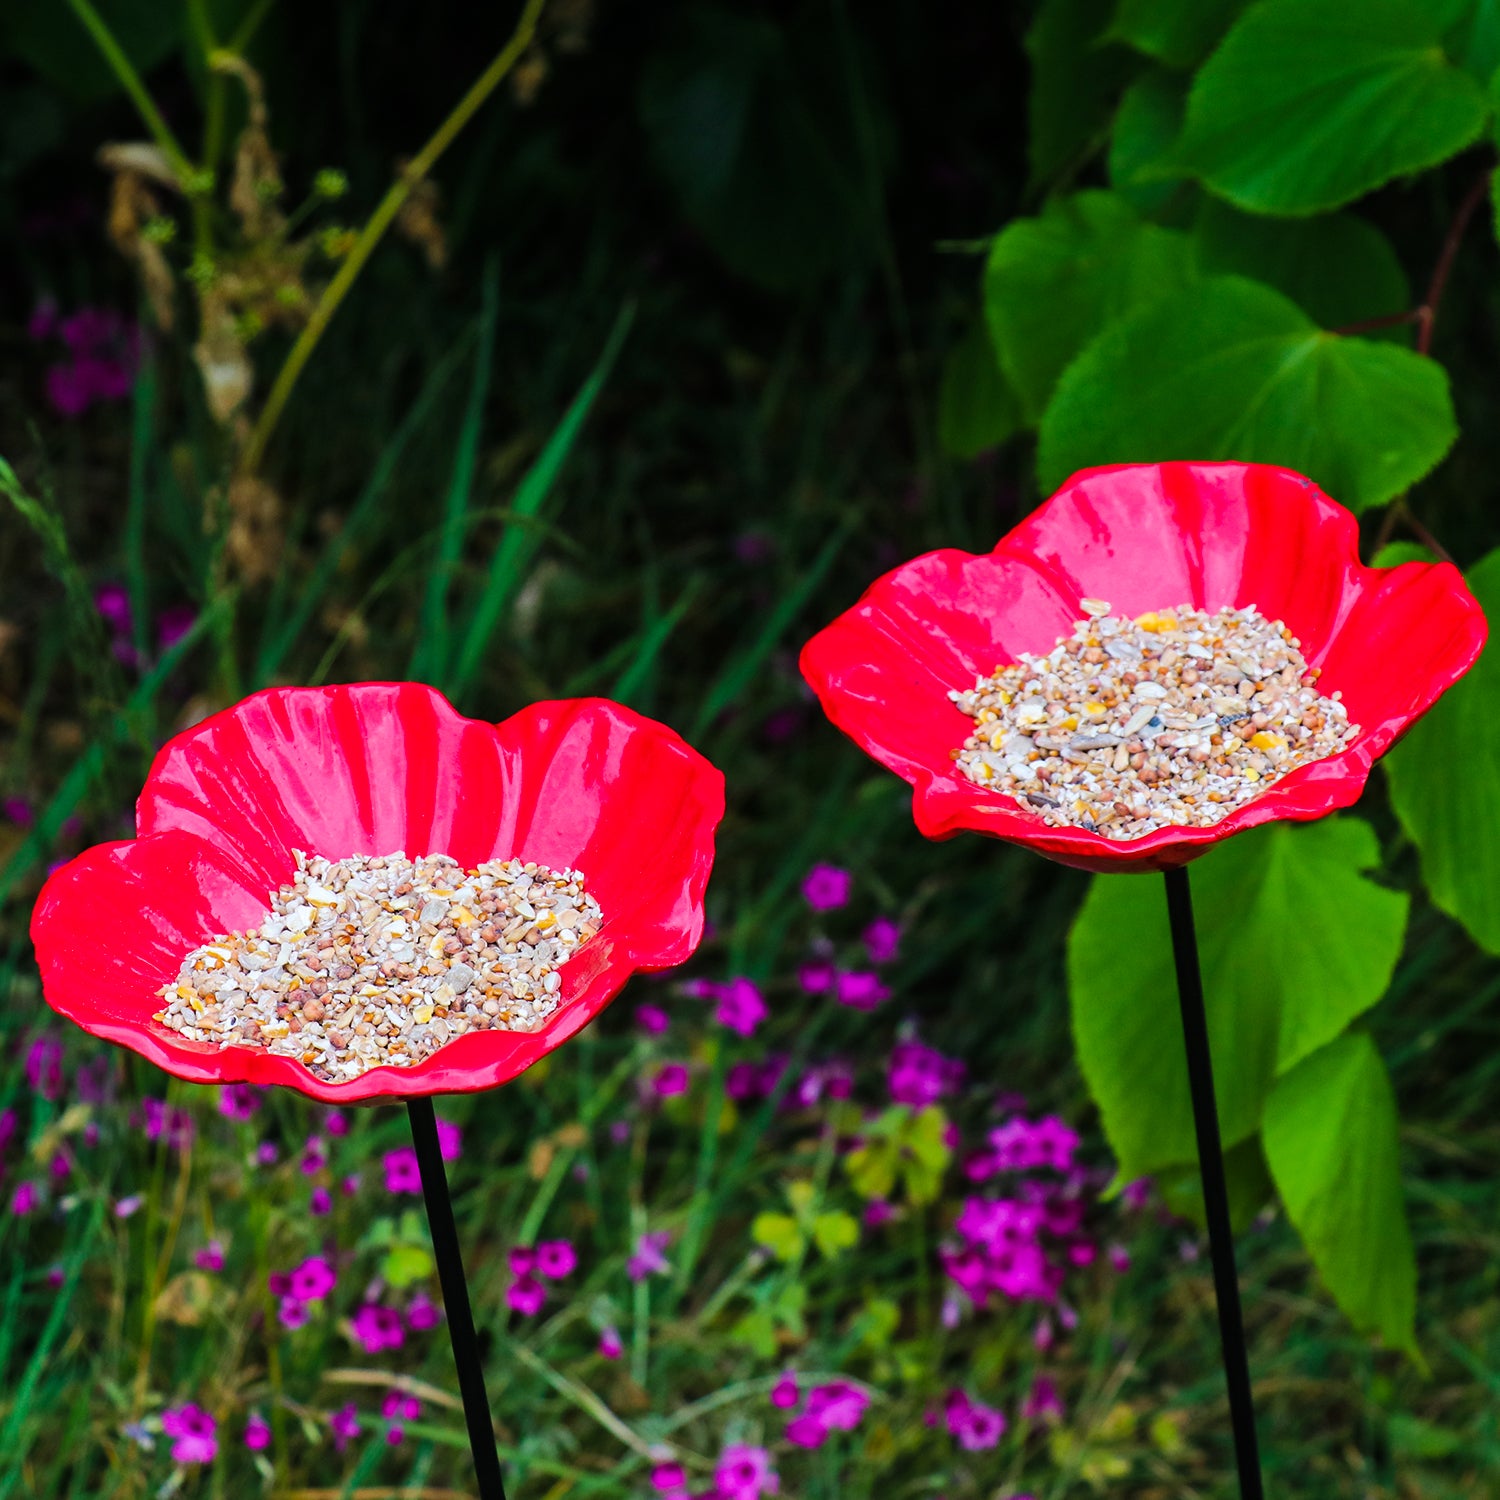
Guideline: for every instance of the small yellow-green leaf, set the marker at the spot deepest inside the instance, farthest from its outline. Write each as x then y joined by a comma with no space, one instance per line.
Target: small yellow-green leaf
779,1233
835,1232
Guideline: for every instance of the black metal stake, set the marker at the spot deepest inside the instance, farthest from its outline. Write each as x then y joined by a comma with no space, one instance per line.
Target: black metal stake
1215,1189
456,1298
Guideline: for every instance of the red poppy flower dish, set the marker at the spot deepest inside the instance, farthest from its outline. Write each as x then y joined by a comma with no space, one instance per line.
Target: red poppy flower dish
1144,538
382,769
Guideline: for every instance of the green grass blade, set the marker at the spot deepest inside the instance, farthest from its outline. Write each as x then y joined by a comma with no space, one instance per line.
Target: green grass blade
282,636
745,663
137,578
637,676
519,541
430,654
89,766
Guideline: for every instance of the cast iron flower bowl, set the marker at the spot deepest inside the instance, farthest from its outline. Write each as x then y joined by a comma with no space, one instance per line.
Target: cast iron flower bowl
1144,537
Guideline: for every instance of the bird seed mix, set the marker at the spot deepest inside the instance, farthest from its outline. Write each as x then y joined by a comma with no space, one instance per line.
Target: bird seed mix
366,961
1175,718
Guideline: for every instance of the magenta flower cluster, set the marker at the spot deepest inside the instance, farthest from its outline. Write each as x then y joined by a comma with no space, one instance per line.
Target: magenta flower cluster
532,1268
101,354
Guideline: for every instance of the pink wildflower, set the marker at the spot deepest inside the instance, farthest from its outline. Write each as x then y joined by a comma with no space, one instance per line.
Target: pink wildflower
671,1079
610,1345
826,887
861,990
555,1259
423,1313
526,1295
313,1279
211,1257
745,1473
882,940
377,1328
648,1259
402,1173
741,1008
817,977
193,1431
344,1424
450,1140
652,1019
785,1393
257,1432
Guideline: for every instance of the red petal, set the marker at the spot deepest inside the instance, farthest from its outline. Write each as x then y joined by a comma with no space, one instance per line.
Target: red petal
380,768
1143,537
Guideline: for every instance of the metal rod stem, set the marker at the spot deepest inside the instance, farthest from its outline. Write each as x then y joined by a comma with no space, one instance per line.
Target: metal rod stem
1215,1188
456,1298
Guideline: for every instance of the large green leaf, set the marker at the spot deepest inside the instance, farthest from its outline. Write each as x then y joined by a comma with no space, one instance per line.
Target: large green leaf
1245,1175
1445,784
1179,33
1142,165
976,407
49,37
1338,268
1230,369
1308,104
1075,81
1294,943
1053,282
772,138
1330,1139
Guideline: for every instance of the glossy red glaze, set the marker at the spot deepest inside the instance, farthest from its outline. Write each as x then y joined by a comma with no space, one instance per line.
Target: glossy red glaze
1144,537
381,768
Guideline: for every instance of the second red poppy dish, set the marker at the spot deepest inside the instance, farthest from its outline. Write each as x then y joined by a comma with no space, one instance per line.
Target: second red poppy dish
378,769
1143,537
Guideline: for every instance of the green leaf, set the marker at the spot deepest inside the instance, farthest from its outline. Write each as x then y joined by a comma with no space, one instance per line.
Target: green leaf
1331,1142
835,1232
1445,784
757,1332
406,1264
872,1168
1337,268
1294,943
977,410
1393,554
1053,282
779,1233
1475,42
1245,1172
1075,80
925,1153
1309,104
1230,369
878,1321
49,37
773,139
1142,165
1179,33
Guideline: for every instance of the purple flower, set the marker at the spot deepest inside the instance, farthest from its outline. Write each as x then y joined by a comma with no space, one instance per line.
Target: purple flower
314,1157
126,1206
522,1260
257,1432
878,1211
556,1259
1137,1194
1021,1146
336,1122
745,1473
402,1173
1119,1258
670,1079
648,1259
291,1312
423,1313
43,320
450,1140
883,940
609,1344
44,1067
211,1257
669,1477
397,1409
975,1425
173,623
24,1199
826,887
740,1007
652,1019
313,1279
837,1405
1043,1404
320,1203
266,1154
193,1430
238,1101
526,1295
344,1424
785,1392
113,603
806,1432
377,1328
17,810
920,1075
861,989
817,977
